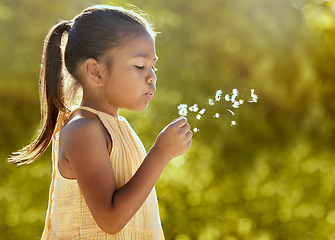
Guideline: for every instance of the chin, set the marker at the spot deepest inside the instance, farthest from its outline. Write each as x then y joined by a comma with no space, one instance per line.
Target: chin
138,108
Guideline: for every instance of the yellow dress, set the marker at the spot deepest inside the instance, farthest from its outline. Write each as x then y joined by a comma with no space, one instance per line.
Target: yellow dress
68,216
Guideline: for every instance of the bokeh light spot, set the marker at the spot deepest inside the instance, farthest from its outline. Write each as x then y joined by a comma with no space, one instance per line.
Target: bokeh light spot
244,226
331,217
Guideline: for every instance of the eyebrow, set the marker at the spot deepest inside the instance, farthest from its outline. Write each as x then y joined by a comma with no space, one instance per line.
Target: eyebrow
144,55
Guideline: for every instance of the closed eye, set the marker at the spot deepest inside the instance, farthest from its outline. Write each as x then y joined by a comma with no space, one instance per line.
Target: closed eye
142,67
139,67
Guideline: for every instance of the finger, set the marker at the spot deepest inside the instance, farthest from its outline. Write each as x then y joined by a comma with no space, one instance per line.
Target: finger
189,143
188,136
185,128
180,122
175,120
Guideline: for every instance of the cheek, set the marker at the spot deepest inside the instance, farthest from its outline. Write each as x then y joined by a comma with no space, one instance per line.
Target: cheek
123,87
125,81
131,79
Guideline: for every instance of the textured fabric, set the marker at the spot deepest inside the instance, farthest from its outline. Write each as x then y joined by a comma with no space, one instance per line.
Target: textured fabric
68,216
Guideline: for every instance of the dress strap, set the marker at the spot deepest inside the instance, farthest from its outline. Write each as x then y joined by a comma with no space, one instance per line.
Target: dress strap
87,109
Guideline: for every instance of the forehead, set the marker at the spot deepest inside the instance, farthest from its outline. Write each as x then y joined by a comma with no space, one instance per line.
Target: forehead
138,47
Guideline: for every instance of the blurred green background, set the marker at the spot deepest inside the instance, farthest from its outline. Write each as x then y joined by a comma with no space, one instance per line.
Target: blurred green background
271,176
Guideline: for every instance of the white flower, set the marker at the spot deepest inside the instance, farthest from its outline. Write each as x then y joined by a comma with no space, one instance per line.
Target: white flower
182,109
227,97
241,101
210,102
182,105
218,95
233,123
202,111
235,92
195,130
253,96
217,115
198,116
254,99
183,112
194,108
232,113
235,105
233,98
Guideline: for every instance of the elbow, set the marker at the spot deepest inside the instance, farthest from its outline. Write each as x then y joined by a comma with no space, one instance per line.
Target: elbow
113,221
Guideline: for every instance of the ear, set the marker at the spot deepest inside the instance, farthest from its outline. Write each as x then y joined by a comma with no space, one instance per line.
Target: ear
92,70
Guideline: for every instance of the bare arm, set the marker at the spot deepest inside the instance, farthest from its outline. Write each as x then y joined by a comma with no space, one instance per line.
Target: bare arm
87,152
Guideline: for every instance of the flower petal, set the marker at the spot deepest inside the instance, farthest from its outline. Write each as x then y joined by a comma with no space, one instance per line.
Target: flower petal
194,108
202,111
235,105
218,95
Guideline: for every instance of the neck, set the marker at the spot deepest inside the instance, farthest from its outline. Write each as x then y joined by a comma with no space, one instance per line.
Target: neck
94,100
101,107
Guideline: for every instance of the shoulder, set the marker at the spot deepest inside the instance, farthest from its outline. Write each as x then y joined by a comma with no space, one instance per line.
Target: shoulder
82,127
82,134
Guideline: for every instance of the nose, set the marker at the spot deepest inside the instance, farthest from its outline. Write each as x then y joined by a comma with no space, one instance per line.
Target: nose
151,77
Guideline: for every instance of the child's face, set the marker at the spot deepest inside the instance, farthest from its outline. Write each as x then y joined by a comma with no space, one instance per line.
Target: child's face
130,83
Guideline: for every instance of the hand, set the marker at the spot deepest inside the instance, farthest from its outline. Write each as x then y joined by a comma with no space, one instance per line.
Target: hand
175,139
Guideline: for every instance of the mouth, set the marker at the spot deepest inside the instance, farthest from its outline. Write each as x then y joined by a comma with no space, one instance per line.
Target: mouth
150,95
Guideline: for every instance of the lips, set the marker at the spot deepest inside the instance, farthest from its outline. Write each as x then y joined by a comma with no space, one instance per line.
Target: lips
150,94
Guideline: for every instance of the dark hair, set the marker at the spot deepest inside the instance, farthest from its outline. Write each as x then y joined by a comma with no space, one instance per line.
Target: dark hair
91,34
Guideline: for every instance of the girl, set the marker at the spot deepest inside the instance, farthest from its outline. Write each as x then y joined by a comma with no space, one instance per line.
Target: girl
103,181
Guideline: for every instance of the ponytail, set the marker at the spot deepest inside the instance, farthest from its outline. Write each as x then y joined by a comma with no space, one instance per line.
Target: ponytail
50,93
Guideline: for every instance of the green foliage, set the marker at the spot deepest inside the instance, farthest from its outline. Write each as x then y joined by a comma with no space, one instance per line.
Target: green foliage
269,177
